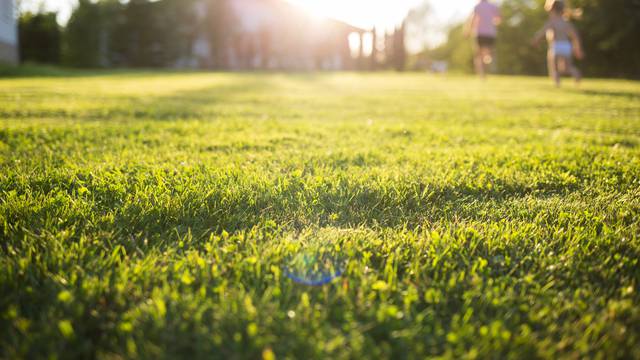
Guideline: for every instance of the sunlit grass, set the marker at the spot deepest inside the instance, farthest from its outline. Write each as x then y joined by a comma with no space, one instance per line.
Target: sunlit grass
158,214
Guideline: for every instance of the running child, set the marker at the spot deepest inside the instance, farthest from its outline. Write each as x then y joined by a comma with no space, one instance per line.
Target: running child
482,25
564,43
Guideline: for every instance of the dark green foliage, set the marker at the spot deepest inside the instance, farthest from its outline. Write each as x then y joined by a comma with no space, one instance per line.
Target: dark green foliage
457,50
515,54
39,38
84,38
611,33
152,215
219,25
140,33
151,34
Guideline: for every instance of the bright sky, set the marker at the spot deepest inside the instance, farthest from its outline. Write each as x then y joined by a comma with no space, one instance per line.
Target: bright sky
384,14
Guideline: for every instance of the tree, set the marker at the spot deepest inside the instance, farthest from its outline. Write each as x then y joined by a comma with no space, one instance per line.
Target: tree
399,48
139,33
610,30
84,36
515,55
219,26
456,51
373,64
39,38
395,53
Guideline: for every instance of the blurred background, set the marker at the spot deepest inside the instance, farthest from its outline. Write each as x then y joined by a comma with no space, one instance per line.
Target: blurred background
304,35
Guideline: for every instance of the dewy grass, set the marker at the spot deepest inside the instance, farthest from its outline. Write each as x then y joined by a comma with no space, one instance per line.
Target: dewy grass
155,215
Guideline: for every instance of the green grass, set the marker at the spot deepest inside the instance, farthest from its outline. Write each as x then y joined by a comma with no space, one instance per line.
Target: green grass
156,215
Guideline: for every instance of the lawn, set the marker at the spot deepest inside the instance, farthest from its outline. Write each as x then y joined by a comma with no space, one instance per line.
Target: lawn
202,215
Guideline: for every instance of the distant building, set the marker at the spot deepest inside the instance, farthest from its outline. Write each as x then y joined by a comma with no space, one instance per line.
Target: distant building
275,35
8,33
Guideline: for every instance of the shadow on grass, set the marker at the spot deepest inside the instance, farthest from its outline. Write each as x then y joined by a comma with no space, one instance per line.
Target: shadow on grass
234,206
627,95
46,71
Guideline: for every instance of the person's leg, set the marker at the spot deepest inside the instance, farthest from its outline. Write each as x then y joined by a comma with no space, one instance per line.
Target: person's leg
477,59
476,66
561,66
485,53
552,65
486,45
573,70
492,58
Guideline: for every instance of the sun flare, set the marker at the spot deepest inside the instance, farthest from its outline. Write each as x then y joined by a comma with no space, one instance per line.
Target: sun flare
361,13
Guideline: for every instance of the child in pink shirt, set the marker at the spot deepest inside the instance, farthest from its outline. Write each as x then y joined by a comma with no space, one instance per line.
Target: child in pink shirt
483,26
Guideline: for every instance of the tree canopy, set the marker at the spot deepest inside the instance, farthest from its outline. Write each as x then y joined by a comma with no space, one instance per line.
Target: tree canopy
39,38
